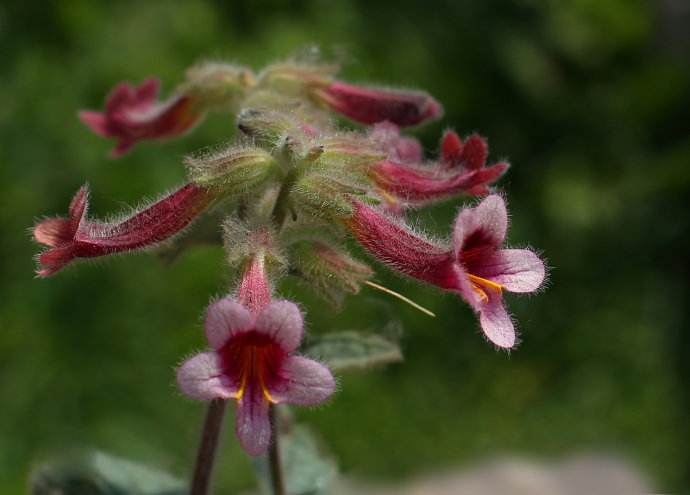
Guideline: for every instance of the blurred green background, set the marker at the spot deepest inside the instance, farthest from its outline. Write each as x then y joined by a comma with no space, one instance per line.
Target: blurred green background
590,100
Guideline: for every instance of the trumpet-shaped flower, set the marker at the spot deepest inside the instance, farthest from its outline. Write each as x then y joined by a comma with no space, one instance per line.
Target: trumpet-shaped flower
462,169
133,114
251,361
80,237
475,266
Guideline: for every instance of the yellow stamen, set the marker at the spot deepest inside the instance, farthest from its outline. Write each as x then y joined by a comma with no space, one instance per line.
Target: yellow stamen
481,285
253,366
400,296
267,394
243,386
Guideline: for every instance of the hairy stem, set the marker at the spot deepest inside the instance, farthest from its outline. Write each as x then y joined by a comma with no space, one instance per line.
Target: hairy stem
276,468
208,447
282,204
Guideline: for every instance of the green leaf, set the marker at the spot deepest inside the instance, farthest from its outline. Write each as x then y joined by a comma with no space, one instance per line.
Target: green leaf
350,350
306,470
97,473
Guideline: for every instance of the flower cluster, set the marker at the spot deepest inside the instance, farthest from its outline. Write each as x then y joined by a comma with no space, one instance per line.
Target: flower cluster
291,189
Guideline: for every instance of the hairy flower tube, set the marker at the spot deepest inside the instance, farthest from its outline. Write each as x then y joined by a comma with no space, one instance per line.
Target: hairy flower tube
80,237
475,266
252,362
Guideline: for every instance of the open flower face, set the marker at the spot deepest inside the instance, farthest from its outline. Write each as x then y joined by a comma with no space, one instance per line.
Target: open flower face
475,266
489,270
251,362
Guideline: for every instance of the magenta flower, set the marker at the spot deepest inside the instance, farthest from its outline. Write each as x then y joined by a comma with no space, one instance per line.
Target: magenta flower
369,105
475,266
405,180
251,362
487,269
134,114
79,237
421,184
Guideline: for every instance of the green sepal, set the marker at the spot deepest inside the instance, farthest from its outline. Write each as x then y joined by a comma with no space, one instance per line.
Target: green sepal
234,171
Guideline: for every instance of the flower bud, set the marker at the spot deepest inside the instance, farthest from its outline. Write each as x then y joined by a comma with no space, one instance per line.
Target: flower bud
233,170
324,195
243,241
330,271
295,79
273,130
350,151
217,86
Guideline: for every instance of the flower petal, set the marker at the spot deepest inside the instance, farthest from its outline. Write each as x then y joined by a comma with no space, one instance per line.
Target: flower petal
464,287
482,226
282,320
517,270
496,323
225,318
308,382
252,424
201,377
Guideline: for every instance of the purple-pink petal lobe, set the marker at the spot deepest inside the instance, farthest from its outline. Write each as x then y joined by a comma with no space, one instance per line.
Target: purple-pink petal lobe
516,270
496,323
282,321
307,382
483,226
252,424
225,318
201,377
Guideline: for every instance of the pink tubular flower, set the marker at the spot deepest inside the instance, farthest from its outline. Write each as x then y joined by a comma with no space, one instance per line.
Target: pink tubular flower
251,362
369,105
462,169
79,237
475,266
133,114
421,184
